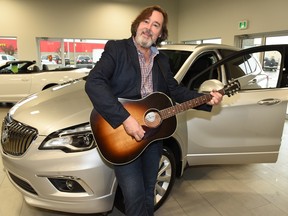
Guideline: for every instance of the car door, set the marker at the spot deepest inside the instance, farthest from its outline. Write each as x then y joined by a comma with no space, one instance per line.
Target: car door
14,86
247,127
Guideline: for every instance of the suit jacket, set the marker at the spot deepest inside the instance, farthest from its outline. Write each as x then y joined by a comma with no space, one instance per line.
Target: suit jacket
117,75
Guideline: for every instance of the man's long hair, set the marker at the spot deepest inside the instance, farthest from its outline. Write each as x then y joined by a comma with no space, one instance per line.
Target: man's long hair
145,14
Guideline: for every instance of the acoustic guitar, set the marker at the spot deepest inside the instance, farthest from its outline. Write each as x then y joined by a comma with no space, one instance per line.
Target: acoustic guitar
156,113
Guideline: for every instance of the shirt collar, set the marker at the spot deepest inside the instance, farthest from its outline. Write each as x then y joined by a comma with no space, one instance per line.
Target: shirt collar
154,50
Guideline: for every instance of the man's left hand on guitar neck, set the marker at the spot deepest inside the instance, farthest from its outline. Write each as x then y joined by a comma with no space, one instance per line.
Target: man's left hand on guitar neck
216,98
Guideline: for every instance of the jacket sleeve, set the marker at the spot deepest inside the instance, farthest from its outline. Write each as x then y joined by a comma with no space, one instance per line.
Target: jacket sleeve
98,87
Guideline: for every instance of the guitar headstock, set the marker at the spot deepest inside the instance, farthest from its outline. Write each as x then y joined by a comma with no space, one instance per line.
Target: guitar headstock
231,88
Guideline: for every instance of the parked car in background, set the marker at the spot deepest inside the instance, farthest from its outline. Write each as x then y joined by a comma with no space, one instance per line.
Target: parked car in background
84,61
18,79
50,156
270,64
5,57
51,59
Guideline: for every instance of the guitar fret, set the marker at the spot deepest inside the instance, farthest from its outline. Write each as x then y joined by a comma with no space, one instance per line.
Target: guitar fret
171,111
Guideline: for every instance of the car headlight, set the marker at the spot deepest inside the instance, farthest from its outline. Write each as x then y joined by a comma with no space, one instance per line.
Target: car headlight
74,139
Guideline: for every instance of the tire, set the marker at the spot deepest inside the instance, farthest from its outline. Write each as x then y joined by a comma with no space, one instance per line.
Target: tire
165,181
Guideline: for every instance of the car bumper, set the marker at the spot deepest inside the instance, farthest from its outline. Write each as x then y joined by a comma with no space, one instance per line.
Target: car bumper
32,175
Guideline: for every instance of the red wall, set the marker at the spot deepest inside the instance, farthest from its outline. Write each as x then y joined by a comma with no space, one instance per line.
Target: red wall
54,46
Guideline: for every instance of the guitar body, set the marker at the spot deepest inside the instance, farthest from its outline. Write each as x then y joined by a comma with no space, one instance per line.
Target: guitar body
116,146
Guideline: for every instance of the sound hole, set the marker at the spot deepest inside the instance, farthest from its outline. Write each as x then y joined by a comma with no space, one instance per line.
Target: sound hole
152,119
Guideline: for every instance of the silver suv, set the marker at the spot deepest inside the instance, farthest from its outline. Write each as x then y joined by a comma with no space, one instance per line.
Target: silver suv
50,155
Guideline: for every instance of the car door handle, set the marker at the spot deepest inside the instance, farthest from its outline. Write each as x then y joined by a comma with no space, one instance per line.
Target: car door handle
253,81
25,79
269,101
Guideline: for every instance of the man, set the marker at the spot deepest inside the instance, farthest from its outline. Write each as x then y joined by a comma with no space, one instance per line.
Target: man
132,69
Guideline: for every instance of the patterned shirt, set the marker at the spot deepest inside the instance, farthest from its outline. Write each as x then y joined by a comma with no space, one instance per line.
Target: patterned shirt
146,71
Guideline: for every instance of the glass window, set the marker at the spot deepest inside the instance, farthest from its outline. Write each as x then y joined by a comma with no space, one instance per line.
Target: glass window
204,41
194,78
277,40
253,70
70,52
251,42
176,58
8,49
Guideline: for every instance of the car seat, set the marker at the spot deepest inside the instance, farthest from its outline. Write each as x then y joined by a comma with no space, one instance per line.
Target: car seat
35,68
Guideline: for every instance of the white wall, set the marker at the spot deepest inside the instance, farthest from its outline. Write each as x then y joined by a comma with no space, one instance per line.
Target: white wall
97,19
111,19
220,18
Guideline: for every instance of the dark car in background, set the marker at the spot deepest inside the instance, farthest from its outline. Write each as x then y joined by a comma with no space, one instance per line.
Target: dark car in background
84,61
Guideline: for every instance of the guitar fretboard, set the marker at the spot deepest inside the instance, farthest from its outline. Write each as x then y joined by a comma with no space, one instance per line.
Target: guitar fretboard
178,108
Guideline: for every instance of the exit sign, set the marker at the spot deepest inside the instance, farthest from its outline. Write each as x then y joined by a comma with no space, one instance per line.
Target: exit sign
243,24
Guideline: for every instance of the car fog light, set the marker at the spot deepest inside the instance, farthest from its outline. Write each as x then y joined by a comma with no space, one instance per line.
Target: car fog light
67,185
70,185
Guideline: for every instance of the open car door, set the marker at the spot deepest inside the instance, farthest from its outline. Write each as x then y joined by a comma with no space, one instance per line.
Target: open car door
247,127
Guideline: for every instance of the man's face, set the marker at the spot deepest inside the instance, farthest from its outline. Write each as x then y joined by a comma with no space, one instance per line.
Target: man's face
149,30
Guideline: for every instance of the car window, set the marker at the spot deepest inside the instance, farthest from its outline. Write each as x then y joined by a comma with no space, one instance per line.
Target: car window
254,70
193,78
11,58
176,58
18,68
242,66
10,69
4,57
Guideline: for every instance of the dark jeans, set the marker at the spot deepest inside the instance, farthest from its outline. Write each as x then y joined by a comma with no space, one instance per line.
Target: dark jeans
137,181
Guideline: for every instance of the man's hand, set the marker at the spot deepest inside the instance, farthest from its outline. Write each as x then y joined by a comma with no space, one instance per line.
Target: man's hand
216,99
133,128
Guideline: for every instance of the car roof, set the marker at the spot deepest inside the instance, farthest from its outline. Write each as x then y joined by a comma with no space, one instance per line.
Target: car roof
193,47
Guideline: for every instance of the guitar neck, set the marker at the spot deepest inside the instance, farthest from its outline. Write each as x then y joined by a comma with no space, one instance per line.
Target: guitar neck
178,108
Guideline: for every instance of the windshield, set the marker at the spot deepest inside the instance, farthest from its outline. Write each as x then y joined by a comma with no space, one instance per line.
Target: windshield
176,58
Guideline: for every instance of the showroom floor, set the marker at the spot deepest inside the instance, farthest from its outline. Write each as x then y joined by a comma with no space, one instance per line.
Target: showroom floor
235,190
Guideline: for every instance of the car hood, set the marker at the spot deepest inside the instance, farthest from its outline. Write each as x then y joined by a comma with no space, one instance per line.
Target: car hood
55,108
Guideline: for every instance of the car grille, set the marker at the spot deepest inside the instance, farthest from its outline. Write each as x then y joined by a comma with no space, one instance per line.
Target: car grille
16,137
22,184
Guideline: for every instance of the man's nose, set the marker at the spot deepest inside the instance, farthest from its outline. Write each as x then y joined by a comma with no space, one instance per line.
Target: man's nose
149,26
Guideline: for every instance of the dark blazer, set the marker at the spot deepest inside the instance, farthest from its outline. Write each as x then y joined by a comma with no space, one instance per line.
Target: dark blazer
117,75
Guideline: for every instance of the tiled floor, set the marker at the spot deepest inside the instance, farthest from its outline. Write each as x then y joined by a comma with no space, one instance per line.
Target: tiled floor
238,190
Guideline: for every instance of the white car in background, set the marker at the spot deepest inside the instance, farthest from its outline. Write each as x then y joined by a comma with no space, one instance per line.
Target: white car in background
50,156
5,58
18,79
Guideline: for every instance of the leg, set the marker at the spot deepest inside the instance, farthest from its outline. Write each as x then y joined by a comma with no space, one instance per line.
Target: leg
150,160
137,181
130,179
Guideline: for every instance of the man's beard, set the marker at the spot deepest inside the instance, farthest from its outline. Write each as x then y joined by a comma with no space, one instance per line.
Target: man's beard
143,42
